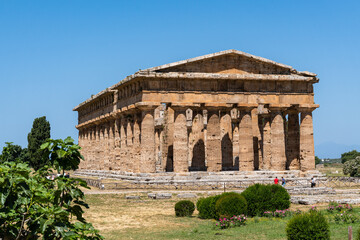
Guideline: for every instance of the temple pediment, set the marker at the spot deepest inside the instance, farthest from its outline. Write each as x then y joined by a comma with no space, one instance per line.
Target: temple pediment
226,62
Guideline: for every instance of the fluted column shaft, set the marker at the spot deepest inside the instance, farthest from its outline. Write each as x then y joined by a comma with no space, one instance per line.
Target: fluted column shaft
180,141
213,142
278,153
307,154
246,154
266,142
147,161
293,141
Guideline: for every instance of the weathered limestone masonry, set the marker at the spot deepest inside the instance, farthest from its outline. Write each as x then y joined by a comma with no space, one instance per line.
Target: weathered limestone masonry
226,111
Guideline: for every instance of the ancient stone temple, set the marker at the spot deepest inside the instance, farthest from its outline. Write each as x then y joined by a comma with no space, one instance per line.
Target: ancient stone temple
226,111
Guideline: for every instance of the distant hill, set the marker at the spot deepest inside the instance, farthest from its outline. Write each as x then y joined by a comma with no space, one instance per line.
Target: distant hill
333,150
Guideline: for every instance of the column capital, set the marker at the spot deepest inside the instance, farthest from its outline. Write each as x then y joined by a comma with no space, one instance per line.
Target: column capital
307,107
147,106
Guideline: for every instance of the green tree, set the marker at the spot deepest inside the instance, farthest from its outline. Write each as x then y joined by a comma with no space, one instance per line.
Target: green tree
317,160
32,206
14,153
349,156
352,167
39,133
10,152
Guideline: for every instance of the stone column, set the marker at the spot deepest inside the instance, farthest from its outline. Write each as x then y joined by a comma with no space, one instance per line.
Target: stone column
169,139
226,140
136,145
213,142
129,145
266,142
81,144
86,148
307,154
117,157
123,146
105,147
96,161
246,154
293,141
278,154
92,146
256,139
101,156
235,114
147,161
180,141
111,145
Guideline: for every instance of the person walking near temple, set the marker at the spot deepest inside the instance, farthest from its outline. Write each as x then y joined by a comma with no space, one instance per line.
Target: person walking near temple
313,183
276,180
283,182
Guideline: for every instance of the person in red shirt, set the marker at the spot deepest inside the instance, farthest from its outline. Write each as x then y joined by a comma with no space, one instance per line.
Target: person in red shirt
276,180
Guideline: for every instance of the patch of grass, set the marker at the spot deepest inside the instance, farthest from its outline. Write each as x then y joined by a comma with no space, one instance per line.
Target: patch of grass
119,218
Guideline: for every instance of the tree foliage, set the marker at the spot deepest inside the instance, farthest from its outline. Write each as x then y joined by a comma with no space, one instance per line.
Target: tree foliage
10,152
39,133
13,153
349,156
32,206
317,160
352,167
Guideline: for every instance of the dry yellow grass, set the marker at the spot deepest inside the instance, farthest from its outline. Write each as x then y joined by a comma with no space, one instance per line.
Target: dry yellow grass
112,211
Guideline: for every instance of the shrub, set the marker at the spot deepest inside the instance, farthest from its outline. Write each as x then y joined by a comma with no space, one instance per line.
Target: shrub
261,198
308,226
230,205
207,206
352,167
184,208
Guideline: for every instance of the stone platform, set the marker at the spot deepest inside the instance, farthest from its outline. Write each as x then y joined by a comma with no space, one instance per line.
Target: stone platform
197,180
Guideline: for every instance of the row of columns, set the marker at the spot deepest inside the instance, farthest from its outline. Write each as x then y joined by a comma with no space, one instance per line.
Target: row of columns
131,142
291,148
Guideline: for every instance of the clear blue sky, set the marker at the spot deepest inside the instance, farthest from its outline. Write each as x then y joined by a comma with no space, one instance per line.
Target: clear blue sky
55,54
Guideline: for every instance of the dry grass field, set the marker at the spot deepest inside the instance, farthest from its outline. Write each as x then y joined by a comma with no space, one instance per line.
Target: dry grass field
120,218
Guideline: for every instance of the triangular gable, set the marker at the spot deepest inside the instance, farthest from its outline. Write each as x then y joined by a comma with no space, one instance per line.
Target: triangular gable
229,61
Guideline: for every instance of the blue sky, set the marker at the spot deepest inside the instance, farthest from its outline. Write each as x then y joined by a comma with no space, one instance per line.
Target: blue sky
55,54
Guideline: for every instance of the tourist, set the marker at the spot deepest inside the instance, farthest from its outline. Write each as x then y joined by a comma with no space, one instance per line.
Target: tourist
313,182
283,182
276,180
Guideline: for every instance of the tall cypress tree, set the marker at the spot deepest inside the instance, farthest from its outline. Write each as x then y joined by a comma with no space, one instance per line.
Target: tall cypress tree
39,133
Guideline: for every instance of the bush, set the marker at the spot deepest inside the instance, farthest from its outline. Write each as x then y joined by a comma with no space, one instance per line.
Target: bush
308,226
261,198
352,167
230,205
184,208
207,206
